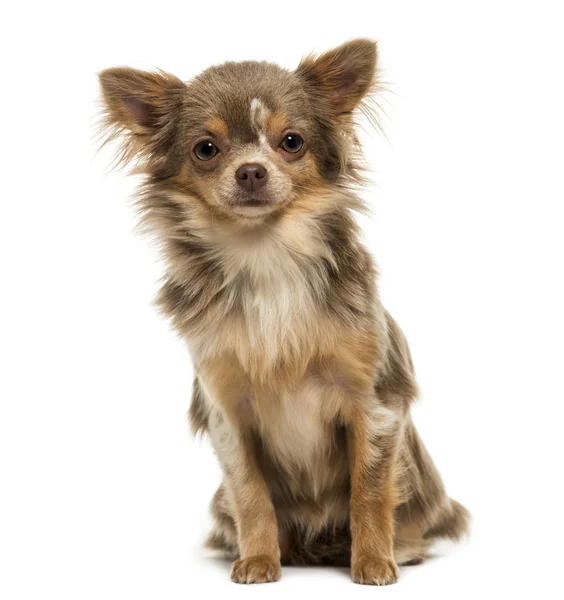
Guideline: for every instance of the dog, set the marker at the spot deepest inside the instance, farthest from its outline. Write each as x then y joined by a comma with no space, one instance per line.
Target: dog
303,381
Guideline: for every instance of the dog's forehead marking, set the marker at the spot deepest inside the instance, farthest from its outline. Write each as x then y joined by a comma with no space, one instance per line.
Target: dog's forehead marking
259,115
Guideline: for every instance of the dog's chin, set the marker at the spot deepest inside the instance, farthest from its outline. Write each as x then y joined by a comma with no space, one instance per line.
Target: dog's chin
254,208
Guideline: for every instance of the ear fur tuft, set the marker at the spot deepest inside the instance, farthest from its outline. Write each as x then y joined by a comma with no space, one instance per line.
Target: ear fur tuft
140,110
342,76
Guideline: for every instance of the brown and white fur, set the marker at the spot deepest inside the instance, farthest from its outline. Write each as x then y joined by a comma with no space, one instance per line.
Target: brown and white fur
303,381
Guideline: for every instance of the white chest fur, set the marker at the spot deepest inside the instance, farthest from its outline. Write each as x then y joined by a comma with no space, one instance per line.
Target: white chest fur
276,311
275,282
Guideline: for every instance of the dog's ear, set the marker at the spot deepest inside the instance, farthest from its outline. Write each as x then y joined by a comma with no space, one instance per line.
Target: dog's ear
142,105
342,76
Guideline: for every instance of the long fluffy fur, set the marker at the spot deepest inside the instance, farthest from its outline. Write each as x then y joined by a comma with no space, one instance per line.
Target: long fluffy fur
303,381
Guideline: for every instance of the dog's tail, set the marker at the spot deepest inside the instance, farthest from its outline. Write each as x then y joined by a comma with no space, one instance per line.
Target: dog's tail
427,504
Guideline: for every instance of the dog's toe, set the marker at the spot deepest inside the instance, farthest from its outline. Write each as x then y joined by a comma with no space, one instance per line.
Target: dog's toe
374,571
256,569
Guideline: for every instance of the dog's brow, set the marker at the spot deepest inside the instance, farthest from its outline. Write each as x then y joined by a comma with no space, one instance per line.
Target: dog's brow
216,127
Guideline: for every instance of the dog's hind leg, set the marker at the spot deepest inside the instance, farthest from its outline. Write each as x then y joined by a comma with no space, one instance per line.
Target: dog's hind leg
410,547
223,536
426,512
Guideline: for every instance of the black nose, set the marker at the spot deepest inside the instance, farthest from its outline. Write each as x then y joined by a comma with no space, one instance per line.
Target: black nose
251,176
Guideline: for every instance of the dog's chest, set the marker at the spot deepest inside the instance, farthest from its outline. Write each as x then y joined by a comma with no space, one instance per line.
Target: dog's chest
276,308
297,427
294,431
274,313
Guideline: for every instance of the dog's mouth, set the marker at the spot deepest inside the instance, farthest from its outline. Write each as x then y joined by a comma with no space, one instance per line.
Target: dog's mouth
253,207
253,202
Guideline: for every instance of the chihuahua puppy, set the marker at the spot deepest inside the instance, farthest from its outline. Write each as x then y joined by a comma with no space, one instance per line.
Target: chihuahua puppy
303,381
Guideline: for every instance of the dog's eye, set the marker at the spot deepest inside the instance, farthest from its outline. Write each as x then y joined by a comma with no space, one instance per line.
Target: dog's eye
205,150
292,143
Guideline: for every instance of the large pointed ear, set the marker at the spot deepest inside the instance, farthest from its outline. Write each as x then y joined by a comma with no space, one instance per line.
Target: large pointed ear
144,106
342,76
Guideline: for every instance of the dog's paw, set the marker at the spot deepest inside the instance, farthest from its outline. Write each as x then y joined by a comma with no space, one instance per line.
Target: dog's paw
256,569
374,571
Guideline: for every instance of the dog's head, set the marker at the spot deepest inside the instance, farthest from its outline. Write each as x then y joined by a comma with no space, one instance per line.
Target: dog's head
246,139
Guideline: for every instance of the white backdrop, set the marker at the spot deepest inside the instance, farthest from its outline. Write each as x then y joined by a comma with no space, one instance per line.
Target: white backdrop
104,492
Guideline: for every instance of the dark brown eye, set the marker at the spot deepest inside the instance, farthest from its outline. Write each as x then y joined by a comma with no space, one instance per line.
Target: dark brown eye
292,143
205,150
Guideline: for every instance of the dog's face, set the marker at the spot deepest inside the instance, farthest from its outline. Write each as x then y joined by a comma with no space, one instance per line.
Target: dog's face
248,138
244,139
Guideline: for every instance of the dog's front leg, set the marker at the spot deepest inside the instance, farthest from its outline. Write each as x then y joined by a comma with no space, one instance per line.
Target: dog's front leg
250,500
256,522
372,442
